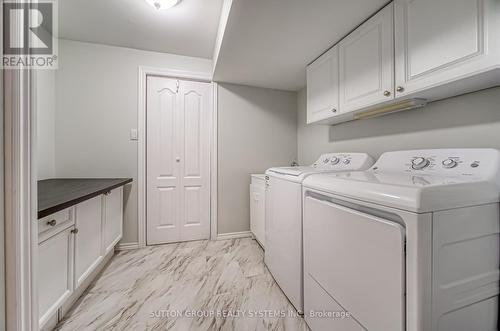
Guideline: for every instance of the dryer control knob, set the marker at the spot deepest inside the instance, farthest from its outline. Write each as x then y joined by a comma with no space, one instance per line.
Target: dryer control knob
334,160
449,163
419,163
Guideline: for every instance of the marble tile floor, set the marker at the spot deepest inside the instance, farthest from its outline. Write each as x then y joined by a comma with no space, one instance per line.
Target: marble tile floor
202,285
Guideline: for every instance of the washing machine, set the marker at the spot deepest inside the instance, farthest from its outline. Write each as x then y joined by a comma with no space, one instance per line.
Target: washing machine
410,244
283,254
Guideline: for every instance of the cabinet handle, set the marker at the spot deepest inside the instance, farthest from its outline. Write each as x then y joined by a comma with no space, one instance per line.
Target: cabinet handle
334,110
52,222
400,89
387,93
74,231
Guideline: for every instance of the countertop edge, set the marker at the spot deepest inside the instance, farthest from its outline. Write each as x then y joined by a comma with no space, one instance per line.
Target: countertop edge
49,211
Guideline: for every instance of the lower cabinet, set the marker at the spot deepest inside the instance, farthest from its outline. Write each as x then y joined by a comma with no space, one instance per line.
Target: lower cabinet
257,208
112,219
88,252
55,273
72,244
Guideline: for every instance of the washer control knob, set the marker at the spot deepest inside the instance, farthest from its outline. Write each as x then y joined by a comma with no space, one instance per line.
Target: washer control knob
346,161
449,163
334,160
419,163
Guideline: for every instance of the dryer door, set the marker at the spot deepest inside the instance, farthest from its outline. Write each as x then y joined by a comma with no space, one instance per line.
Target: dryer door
358,260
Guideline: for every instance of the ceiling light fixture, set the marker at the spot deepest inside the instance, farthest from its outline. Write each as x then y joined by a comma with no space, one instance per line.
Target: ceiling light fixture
162,4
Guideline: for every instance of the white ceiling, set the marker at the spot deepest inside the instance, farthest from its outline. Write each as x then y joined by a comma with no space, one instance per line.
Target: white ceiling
268,43
190,28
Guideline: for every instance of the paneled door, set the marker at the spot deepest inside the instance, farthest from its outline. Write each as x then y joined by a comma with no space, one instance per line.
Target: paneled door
178,161
366,63
323,86
439,41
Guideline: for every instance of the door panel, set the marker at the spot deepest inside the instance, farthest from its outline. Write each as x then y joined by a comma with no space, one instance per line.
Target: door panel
358,259
178,163
88,240
192,139
192,205
113,219
195,105
435,44
323,86
367,63
163,173
55,273
167,207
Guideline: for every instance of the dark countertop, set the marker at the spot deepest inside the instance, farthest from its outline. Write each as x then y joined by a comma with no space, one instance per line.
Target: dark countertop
60,193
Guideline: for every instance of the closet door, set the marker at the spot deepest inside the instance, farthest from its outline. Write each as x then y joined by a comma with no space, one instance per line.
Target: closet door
195,106
367,63
178,122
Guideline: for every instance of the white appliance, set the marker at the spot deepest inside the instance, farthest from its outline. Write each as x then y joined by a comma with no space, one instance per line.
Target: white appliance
410,244
283,255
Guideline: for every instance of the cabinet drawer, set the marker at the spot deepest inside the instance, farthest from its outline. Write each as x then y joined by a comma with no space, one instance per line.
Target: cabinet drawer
52,224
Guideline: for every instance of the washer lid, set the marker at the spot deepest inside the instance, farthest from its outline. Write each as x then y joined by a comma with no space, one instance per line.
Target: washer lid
422,180
293,171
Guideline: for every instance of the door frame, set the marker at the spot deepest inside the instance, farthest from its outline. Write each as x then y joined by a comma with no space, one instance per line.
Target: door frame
19,196
143,73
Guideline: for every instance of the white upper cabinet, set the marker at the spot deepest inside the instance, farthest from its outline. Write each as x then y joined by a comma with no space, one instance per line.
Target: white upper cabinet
441,41
323,86
367,63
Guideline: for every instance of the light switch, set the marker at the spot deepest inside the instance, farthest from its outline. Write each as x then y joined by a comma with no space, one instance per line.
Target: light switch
133,134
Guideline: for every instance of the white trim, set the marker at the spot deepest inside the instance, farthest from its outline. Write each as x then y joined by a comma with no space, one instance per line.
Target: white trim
127,246
213,164
173,73
20,192
235,235
143,72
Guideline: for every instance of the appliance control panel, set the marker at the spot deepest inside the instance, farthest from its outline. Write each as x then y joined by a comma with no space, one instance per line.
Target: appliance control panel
477,162
345,161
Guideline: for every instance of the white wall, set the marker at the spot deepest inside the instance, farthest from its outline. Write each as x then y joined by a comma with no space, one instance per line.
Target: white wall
2,221
471,120
257,129
96,106
46,106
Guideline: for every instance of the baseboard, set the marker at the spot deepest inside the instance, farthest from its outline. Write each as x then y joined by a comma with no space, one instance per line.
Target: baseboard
234,235
127,246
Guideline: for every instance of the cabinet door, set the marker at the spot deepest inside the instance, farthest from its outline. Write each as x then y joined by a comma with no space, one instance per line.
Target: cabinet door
323,87
88,239
438,41
54,273
367,63
257,212
113,219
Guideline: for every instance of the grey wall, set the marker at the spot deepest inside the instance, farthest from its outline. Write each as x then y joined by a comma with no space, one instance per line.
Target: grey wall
2,221
45,118
96,106
471,120
257,129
